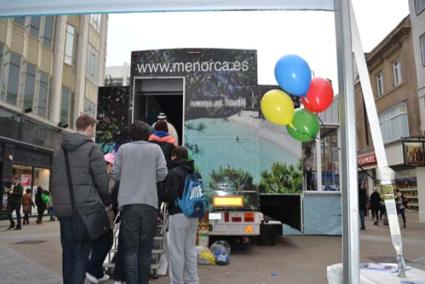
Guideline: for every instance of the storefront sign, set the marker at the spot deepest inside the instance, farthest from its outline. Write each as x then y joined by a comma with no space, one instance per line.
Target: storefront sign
366,160
413,151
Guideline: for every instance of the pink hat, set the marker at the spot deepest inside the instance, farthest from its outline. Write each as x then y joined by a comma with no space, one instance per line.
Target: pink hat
110,158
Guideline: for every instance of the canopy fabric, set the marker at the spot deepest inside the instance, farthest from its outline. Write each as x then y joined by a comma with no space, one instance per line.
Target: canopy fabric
56,7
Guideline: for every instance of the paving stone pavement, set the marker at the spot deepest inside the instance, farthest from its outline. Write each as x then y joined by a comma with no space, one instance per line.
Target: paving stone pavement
17,269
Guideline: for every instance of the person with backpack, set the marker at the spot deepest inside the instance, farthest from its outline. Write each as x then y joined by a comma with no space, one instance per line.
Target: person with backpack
182,227
40,203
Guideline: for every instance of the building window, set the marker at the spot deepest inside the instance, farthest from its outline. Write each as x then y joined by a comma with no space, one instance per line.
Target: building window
419,6
422,43
380,84
92,63
89,107
65,103
14,64
69,44
397,72
19,20
35,26
48,31
43,94
394,123
29,86
96,21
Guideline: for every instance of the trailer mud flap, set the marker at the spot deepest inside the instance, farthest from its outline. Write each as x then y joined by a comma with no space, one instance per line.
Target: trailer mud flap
284,208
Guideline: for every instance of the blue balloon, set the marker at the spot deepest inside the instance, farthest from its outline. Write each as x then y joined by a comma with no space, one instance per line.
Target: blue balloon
293,74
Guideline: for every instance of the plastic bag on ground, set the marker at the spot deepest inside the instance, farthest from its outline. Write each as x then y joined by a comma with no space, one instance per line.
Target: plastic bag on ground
221,252
205,256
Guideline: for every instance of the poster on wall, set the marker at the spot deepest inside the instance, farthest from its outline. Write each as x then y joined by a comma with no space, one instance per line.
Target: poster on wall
413,152
224,129
26,180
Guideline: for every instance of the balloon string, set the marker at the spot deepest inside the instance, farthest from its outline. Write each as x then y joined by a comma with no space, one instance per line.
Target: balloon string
321,121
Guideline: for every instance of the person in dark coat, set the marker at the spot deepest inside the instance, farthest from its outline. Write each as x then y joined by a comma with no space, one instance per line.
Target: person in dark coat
14,201
90,187
375,204
41,205
363,203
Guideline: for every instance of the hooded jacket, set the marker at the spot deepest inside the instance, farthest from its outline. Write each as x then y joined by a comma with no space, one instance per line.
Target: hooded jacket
175,182
89,178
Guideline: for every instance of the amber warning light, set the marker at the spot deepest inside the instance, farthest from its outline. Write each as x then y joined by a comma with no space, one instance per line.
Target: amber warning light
227,201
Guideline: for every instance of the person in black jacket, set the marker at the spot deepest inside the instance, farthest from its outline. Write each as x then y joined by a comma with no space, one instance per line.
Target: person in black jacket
375,203
14,201
182,230
41,205
363,203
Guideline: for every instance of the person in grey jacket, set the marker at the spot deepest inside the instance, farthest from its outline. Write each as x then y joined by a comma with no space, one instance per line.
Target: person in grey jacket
89,178
138,166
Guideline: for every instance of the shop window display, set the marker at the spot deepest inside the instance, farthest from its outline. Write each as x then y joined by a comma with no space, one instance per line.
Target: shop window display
406,182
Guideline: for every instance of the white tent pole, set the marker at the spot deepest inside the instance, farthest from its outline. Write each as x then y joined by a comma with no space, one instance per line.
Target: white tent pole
385,173
350,209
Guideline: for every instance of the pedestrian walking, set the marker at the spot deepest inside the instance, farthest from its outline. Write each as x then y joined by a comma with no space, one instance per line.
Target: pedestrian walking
14,201
79,187
375,203
401,202
363,203
308,168
50,207
27,205
100,247
138,166
40,203
182,229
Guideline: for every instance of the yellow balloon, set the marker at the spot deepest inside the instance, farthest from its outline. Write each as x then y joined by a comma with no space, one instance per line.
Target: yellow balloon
277,107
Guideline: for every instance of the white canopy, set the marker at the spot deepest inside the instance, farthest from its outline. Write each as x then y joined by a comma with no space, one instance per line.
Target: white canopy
51,7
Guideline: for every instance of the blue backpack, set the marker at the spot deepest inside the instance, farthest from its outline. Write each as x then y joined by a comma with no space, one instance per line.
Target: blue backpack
193,201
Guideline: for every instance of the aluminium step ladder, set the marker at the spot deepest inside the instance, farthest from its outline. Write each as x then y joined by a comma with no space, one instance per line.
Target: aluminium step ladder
159,261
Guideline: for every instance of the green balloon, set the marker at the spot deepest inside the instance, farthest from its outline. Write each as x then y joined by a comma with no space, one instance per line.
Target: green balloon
305,125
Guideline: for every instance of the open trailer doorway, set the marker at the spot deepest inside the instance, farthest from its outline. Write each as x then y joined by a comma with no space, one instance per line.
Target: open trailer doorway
153,96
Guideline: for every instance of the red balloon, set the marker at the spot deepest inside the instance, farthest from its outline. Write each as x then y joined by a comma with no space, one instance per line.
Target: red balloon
319,96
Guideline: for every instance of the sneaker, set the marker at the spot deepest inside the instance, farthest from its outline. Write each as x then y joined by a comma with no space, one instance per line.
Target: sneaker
103,279
11,227
18,228
91,278
362,228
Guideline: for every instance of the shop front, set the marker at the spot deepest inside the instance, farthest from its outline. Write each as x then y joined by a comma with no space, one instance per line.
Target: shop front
405,157
26,148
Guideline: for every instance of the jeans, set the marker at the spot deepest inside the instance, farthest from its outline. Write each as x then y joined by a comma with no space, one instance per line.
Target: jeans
362,214
74,254
17,208
99,251
138,225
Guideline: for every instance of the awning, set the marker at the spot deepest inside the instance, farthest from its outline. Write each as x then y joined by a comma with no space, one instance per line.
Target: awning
55,7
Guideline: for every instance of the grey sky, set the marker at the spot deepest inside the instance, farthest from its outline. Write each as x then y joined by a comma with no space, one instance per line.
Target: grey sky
274,34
